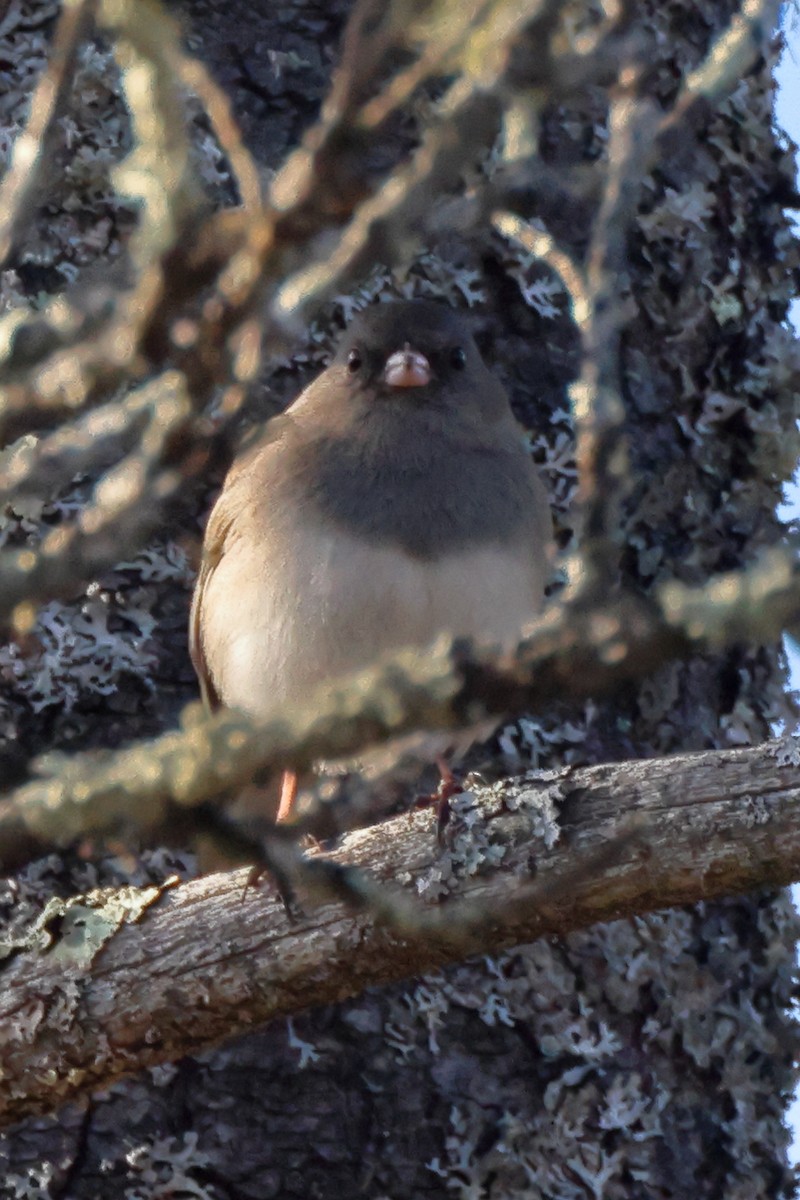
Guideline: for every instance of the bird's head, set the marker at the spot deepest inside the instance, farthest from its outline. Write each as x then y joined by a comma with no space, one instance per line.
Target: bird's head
415,352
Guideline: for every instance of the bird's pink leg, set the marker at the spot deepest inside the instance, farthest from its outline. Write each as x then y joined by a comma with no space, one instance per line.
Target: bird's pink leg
289,784
289,787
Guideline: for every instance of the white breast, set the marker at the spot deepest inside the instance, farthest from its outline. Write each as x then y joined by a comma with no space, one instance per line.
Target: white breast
275,628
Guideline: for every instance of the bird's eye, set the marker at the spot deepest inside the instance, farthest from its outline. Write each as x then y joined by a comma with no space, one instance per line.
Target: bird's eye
458,358
353,362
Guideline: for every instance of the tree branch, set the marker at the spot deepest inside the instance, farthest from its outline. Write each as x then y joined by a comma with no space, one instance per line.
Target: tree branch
106,984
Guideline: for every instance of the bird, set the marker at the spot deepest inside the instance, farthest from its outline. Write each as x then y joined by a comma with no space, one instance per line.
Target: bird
392,502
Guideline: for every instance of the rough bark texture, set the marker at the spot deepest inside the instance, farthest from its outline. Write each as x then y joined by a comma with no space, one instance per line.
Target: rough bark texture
638,1059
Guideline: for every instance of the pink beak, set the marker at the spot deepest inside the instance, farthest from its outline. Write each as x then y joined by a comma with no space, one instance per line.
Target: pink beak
407,368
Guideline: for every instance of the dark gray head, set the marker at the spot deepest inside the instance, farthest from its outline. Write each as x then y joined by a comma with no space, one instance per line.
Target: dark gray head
408,438
413,350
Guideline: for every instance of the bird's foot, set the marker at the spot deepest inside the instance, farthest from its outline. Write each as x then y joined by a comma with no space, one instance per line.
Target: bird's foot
440,799
260,871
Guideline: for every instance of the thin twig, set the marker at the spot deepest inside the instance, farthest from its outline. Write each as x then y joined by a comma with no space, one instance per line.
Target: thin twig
18,188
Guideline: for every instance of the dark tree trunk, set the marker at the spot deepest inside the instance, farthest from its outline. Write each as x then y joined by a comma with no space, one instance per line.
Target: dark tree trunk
650,1057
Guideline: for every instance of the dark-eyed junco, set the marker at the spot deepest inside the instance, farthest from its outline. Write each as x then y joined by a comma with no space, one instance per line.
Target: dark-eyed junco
393,501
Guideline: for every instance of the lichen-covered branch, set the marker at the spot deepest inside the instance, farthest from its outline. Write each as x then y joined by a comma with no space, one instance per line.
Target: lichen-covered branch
127,505
575,652
107,983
